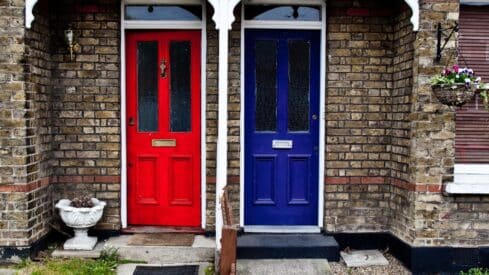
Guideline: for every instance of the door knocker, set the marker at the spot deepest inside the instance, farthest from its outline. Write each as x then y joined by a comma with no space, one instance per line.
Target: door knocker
163,68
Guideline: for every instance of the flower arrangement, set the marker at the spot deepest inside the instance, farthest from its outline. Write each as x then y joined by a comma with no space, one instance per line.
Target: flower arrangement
457,76
456,86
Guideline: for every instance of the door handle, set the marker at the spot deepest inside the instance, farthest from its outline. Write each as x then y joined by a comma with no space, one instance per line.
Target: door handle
131,121
163,68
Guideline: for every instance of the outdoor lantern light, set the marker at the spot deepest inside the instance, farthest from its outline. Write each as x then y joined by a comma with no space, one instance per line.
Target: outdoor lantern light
70,41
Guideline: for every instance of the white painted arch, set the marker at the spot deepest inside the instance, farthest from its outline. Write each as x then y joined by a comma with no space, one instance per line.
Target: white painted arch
223,12
29,16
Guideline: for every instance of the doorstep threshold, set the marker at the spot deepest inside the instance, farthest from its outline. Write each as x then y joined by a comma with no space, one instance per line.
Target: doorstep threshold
135,229
281,229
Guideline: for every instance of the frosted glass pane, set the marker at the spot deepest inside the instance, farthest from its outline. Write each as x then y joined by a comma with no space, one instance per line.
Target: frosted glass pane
266,85
148,86
180,96
298,99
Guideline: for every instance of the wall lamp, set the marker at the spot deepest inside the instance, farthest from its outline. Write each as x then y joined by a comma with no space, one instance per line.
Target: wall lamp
72,45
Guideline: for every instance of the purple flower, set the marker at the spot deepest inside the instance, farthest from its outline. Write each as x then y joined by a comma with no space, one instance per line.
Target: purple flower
456,68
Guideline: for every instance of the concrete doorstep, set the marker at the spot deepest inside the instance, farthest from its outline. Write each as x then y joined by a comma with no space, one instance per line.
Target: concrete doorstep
201,251
283,267
360,258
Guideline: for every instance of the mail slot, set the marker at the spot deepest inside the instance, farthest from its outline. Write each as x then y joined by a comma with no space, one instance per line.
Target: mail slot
282,144
164,142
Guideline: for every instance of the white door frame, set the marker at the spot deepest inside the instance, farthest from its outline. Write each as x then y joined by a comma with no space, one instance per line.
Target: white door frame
142,24
305,25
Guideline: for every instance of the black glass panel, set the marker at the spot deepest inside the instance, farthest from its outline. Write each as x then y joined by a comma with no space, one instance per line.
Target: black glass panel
153,12
298,99
180,96
266,85
299,13
148,86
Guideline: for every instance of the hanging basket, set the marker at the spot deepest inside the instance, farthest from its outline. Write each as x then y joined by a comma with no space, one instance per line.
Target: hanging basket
453,95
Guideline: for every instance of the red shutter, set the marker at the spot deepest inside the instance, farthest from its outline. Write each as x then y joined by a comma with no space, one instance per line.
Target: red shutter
472,122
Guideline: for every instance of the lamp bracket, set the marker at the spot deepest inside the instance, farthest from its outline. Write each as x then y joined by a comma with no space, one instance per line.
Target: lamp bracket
443,32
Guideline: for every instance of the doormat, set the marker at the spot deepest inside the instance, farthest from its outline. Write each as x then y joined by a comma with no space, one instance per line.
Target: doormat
167,270
161,239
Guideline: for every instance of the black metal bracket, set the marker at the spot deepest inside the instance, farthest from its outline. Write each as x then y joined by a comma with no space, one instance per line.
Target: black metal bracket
439,34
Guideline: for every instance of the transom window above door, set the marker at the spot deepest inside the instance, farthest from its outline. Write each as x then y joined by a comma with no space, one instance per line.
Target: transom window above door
164,12
283,13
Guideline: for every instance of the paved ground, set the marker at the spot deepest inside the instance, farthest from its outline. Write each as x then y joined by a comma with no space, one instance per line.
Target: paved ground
7,271
394,268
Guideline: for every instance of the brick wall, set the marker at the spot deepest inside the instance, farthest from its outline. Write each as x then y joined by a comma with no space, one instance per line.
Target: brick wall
439,219
86,104
25,194
79,103
16,149
401,210
211,117
359,112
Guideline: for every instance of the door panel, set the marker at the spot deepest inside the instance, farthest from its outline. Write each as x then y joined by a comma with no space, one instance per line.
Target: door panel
264,179
281,127
163,127
298,181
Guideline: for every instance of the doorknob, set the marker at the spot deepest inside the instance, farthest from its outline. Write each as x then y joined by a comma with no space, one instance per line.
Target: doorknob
314,117
131,121
163,68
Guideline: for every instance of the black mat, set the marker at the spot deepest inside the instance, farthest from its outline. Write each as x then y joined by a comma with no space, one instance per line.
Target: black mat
167,270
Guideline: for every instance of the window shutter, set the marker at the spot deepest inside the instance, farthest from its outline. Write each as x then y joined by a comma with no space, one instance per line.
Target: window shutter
472,120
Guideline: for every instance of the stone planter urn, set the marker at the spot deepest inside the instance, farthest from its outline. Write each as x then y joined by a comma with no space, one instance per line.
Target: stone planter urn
80,219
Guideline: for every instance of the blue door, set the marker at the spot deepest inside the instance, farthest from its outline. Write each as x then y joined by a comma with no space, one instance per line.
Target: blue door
281,127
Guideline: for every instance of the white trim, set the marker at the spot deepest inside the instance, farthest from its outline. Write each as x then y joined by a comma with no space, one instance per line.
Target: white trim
281,229
457,188
291,25
241,123
322,115
203,108
305,25
223,17
123,124
414,4
469,179
164,25
472,169
29,16
163,2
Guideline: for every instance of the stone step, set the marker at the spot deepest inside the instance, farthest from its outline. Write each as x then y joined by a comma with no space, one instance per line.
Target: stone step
201,251
283,267
287,246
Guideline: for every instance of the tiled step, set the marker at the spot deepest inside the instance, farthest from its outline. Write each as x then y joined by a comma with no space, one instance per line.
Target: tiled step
287,246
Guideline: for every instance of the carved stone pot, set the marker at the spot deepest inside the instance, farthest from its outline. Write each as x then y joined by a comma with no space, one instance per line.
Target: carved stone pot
80,219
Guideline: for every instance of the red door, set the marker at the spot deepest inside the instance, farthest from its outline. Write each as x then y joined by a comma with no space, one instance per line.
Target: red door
163,127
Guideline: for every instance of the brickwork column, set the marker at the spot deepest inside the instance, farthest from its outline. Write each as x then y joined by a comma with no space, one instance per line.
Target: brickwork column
16,145
25,199
432,124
